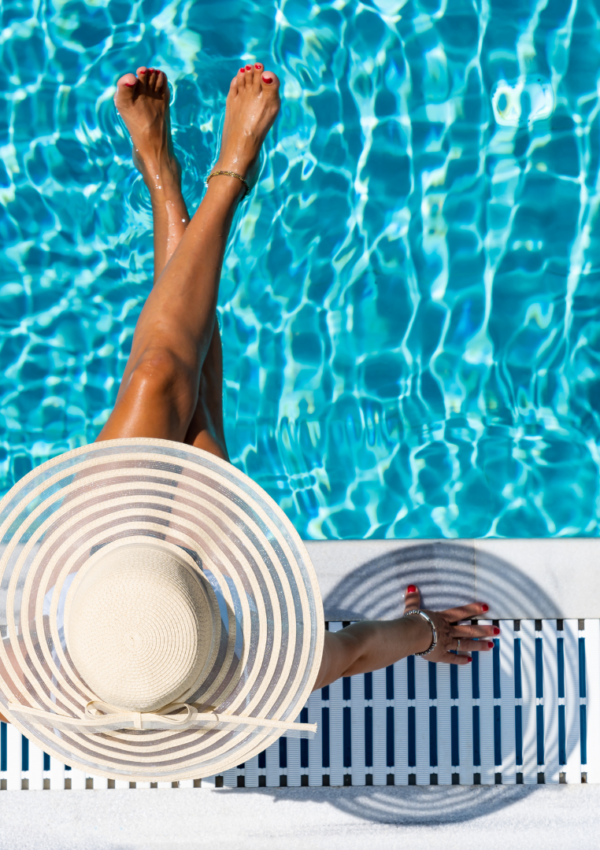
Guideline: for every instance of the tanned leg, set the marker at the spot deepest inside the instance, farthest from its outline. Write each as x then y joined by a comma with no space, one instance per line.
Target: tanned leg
171,387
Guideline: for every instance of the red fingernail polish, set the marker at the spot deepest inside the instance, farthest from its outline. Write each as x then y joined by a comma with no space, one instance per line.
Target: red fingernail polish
485,607
496,630
411,589
469,660
490,644
267,80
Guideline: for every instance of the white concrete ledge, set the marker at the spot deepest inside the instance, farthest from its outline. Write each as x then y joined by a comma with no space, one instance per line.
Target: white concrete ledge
548,578
536,579
517,817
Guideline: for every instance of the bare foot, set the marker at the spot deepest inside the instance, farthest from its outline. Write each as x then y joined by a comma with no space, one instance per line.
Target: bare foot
252,106
142,101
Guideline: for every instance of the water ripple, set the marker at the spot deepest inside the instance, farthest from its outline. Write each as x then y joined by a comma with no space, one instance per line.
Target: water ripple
409,305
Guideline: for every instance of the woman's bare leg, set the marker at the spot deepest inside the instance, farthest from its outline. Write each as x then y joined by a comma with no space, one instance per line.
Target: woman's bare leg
170,220
171,387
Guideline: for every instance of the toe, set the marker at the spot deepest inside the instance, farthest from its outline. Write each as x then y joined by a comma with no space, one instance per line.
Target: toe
270,81
256,72
142,74
247,75
161,80
126,86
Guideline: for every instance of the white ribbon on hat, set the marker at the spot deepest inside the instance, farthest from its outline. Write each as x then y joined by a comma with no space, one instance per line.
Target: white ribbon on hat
102,717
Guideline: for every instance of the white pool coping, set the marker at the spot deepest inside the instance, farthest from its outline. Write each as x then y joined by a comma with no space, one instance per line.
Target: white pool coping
546,578
529,578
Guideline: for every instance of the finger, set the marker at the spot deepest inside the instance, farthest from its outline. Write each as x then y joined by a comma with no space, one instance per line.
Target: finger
412,598
448,658
474,631
465,612
473,645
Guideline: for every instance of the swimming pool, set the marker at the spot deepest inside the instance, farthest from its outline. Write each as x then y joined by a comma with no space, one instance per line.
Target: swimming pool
411,304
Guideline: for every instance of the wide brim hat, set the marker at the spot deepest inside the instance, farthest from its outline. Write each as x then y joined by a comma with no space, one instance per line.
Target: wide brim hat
106,529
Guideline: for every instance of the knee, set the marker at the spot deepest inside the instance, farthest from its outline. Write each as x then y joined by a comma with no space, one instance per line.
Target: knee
162,376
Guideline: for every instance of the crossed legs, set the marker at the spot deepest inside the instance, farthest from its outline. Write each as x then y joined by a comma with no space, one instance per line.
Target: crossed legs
172,384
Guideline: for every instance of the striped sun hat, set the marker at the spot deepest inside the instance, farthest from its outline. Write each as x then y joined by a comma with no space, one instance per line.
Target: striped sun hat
160,617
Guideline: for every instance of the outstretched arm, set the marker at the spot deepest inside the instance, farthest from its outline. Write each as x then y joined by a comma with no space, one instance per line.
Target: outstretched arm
371,645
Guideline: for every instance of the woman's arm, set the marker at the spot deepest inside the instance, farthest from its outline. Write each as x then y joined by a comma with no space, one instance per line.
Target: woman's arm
372,644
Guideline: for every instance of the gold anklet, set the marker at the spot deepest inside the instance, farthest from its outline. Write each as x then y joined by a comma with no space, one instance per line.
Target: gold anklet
229,174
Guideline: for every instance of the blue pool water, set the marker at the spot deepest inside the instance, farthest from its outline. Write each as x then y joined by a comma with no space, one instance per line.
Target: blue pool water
411,304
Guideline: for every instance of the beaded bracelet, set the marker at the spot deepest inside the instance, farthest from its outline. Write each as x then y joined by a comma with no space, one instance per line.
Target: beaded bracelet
417,612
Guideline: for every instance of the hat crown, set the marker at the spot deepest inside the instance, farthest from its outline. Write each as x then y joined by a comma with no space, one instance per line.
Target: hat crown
139,628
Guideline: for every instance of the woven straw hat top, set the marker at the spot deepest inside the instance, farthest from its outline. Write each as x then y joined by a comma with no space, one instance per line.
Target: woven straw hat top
160,616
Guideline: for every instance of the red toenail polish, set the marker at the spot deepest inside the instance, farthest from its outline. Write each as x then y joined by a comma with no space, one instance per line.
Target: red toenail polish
258,66
496,630
485,607
248,67
242,70
131,85
411,589
267,80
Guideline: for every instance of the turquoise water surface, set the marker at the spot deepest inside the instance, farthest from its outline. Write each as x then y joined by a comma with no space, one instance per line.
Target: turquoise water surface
410,305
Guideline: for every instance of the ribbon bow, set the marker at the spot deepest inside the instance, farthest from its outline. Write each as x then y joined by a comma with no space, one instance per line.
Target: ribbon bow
100,716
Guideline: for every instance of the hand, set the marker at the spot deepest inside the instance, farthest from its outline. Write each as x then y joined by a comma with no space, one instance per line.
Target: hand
448,633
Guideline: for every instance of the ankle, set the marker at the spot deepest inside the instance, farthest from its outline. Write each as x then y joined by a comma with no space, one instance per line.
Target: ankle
222,185
243,166
164,188
161,178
